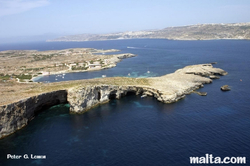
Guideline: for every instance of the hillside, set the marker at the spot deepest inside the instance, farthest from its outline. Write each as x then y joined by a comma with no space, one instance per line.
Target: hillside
191,32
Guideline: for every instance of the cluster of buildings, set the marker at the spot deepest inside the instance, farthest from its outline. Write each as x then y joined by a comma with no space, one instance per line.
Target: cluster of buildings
87,64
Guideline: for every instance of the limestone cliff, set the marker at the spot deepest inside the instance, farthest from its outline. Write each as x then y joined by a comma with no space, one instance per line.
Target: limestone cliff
83,99
16,115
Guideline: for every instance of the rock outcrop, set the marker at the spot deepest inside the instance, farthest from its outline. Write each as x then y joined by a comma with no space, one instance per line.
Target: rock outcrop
17,115
214,77
225,88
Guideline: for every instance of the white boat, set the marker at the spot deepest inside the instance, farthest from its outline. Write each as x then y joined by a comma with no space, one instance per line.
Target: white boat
143,96
104,76
148,71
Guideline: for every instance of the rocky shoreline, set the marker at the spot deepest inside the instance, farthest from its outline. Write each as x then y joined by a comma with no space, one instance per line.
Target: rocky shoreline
167,89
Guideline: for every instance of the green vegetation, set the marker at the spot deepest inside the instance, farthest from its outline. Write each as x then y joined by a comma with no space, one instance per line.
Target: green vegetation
245,27
17,55
21,77
42,57
34,69
4,77
79,68
8,53
101,61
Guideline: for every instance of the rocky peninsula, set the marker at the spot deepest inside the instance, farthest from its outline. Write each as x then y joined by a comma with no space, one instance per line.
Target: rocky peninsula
82,95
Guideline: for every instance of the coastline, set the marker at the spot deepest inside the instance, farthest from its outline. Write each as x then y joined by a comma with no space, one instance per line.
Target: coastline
30,65
69,71
167,89
114,60
212,31
177,39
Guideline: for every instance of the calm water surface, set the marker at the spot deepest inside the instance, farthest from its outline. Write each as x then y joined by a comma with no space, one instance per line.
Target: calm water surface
135,131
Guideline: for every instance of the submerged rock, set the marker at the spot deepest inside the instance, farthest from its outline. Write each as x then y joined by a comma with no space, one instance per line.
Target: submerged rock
225,88
201,93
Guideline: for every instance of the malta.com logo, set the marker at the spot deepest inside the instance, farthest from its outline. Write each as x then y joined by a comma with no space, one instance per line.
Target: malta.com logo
209,159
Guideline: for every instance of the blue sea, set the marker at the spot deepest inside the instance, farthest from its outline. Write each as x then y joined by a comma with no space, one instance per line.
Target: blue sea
136,131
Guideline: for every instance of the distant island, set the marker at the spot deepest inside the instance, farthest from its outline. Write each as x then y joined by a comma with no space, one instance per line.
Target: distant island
190,32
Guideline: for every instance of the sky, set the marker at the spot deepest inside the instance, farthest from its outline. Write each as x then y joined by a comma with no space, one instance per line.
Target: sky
47,18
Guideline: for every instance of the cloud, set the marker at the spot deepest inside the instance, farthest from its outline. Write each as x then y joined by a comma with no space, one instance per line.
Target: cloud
9,7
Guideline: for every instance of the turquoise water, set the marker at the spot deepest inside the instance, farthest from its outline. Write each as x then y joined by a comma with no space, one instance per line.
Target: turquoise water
135,131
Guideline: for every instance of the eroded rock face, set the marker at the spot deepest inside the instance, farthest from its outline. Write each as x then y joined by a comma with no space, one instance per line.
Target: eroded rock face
16,115
83,99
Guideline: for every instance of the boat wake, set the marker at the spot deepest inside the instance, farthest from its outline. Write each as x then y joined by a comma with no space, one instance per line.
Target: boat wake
132,47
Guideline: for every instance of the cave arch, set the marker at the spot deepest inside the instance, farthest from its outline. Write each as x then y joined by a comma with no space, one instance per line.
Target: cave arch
112,96
99,96
130,93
